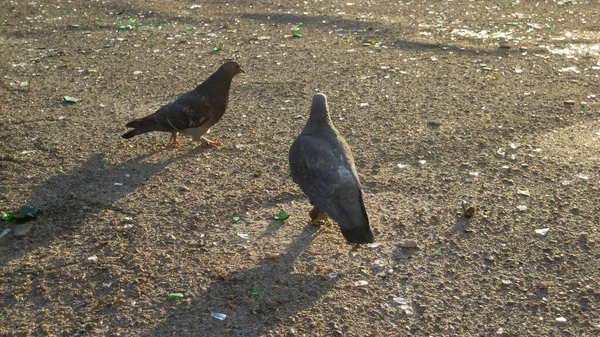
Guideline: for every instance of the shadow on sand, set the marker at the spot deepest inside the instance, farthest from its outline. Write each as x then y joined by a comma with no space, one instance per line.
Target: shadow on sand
67,200
280,294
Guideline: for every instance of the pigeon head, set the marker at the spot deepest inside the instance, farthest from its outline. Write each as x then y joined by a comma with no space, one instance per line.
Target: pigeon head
319,111
358,235
232,68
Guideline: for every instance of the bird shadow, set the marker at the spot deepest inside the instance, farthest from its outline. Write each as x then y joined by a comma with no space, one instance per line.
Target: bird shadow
67,200
254,300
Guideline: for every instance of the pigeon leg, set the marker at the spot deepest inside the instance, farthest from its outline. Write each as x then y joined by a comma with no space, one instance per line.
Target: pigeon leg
176,141
317,216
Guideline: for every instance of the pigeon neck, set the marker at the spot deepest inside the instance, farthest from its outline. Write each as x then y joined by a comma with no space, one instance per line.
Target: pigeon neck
319,117
217,81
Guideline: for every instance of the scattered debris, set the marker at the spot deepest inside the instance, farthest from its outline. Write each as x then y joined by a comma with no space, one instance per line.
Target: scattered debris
23,229
542,231
296,32
70,100
218,315
404,305
4,232
175,296
468,211
24,213
283,215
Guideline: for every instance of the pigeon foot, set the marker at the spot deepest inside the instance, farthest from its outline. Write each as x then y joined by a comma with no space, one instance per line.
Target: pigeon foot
176,141
318,217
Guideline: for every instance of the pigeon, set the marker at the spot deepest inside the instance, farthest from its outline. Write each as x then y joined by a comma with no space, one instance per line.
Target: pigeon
322,165
194,112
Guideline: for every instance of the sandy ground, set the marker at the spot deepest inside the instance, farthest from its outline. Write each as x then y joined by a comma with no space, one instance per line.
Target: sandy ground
493,103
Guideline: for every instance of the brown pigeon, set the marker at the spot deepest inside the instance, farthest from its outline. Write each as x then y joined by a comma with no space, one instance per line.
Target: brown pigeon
194,112
322,165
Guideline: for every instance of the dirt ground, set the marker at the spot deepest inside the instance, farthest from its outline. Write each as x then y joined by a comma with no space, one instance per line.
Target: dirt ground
492,102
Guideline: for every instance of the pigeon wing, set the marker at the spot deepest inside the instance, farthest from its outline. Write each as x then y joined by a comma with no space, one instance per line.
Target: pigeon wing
188,111
313,167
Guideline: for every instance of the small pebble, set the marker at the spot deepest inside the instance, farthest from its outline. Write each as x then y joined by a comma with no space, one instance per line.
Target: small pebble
504,44
271,256
408,243
561,320
583,177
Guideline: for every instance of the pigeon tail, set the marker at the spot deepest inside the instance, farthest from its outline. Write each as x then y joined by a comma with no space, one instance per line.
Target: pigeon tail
138,123
130,134
140,126
358,234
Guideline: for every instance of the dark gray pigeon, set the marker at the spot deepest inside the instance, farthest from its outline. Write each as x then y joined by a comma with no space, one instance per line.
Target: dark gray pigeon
194,112
322,165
